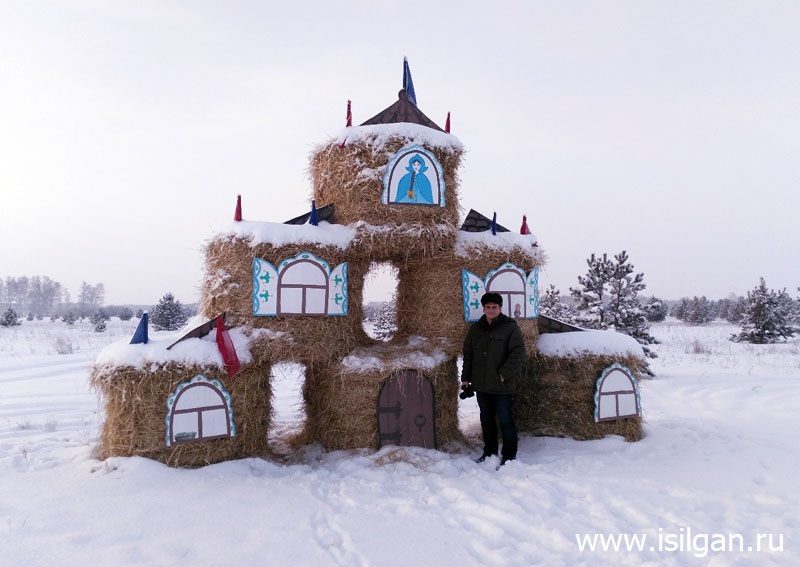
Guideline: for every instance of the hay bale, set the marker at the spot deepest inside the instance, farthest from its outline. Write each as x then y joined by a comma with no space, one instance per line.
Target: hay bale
556,398
430,301
341,400
228,288
136,408
351,179
404,243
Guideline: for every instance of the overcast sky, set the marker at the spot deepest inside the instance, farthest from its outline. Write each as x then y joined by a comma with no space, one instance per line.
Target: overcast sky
669,129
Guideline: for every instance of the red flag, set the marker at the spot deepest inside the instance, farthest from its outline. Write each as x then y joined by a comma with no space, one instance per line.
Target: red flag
447,124
349,115
226,349
237,215
524,229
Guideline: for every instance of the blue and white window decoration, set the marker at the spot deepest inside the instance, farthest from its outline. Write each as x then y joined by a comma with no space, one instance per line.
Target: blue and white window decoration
198,410
617,394
302,285
520,292
413,177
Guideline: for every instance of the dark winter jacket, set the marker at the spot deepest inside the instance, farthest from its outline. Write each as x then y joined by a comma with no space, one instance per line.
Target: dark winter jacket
493,355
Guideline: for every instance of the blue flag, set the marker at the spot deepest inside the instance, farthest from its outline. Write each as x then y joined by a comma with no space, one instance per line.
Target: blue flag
494,224
140,336
313,218
408,84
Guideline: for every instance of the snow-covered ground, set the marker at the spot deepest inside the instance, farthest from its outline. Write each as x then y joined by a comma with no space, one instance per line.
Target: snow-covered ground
712,483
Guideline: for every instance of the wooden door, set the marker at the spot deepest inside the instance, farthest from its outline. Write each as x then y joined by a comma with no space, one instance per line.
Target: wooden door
406,414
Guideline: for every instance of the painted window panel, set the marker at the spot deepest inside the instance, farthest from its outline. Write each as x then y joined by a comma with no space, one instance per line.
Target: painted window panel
413,177
519,292
302,285
617,394
199,409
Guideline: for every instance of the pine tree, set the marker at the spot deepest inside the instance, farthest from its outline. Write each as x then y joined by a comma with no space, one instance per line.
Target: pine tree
591,297
655,310
99,321
695,311
169,314
768,316
10,318
386,323
125,314
69,318
625,313
551,305
736,311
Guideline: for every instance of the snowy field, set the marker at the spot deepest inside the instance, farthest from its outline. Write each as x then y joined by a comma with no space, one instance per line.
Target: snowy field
714,482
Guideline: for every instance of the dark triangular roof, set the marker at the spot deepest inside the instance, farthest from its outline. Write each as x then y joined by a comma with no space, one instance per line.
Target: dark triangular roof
200,331
323,214
402,111
549,325
476,222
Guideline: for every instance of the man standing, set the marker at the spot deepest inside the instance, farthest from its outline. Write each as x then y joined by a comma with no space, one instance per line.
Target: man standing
493,356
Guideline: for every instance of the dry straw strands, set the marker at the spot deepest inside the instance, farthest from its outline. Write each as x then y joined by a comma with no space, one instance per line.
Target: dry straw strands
136,410
556,398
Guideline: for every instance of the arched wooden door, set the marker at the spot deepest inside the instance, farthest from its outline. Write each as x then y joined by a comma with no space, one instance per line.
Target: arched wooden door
406,414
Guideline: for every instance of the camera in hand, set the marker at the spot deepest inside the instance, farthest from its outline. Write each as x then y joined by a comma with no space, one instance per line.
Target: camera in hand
466,392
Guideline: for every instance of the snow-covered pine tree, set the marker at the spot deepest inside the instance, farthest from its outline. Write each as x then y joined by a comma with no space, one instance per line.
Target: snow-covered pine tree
10,318
69,318
125,314
386,323
695,311
625,314
768,316
655,310
169,314
591,298
99,321
550,304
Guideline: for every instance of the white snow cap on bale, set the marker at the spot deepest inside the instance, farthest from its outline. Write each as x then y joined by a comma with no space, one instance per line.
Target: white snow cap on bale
370,358
577,343
377,135
467,242
279,234
201,352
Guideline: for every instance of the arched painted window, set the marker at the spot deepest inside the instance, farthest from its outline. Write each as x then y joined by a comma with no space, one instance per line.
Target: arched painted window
303,289
510,284
197,410
617,394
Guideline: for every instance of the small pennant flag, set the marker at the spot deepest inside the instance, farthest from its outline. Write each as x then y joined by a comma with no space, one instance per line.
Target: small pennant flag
140,336
524,228
447,124
494,224
313,219
226,349
237,215
349,115
408,84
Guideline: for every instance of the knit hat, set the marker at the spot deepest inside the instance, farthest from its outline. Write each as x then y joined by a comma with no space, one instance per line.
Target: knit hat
492,297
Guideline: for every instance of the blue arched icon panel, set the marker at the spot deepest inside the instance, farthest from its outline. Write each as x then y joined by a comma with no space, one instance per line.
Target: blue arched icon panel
413,177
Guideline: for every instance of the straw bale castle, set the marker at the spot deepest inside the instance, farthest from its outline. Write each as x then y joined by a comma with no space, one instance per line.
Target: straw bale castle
292,292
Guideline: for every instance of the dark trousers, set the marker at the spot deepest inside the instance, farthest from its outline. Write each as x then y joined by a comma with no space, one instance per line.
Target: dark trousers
497,408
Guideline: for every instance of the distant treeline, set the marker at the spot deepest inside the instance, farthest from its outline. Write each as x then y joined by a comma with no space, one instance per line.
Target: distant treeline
37,297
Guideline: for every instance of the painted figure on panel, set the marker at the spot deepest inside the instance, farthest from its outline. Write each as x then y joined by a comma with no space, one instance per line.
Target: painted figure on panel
414,186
